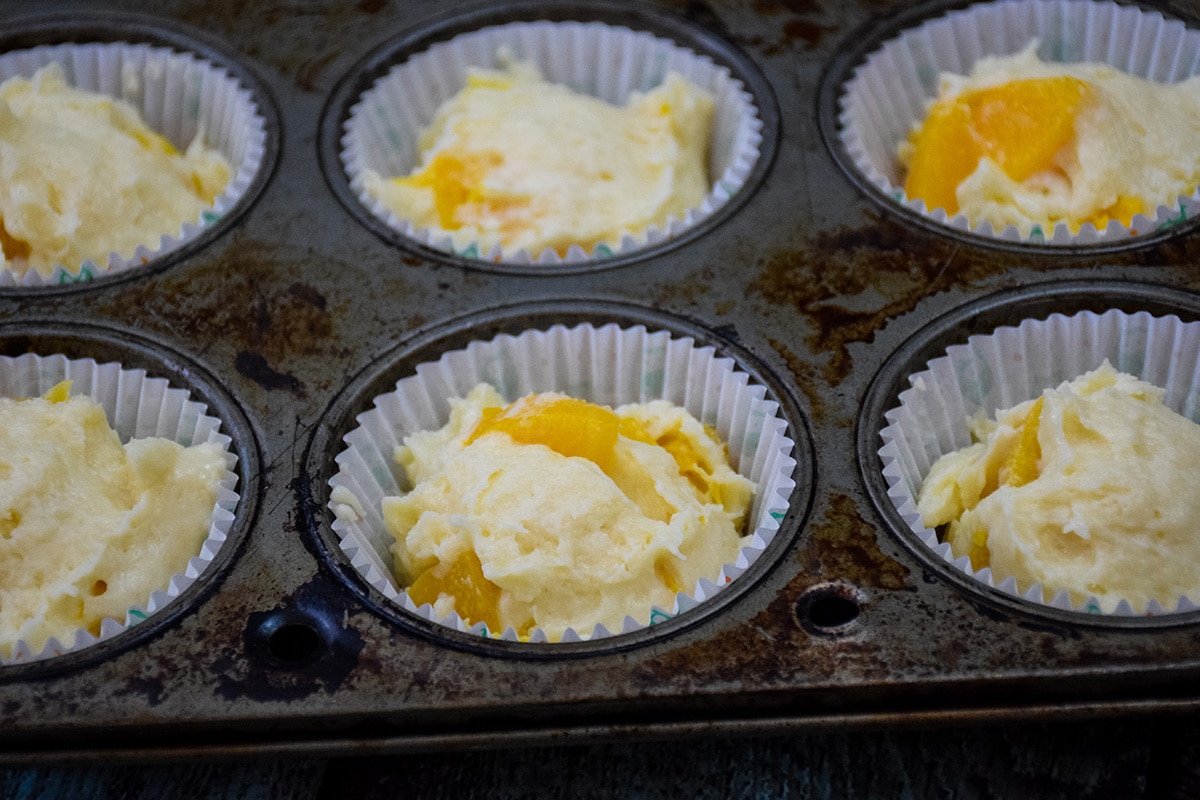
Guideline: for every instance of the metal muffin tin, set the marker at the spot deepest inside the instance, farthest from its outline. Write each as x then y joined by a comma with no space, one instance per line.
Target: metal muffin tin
288,318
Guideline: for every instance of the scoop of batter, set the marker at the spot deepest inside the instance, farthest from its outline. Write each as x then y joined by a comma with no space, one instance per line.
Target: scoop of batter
1089,488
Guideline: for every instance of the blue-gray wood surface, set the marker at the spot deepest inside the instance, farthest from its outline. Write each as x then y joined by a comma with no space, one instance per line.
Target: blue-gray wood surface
1150,759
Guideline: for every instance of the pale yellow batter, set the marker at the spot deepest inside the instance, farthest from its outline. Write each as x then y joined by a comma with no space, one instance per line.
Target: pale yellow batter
516,161
82,176
1089,488
88,528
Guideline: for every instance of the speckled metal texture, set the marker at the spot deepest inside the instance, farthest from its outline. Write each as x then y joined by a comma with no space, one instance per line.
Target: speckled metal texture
279,316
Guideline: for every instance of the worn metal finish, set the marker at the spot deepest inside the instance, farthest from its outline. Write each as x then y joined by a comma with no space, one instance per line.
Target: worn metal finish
287,320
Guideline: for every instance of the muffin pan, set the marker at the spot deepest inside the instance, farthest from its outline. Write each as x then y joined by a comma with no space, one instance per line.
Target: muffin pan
289,318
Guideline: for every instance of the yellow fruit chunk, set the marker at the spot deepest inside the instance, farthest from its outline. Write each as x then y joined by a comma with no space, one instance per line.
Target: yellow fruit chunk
477,80
11,246
568,426
632,428
456,181
691,464
1021,466
1020,125
154,142
59,392
476,599
1122,211
978,550
667,574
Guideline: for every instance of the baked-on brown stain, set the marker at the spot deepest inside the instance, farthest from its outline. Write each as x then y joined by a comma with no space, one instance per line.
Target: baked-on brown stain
845,548
808,381
884,269
772,7
255,367
688,289
808,32
236,299
299,39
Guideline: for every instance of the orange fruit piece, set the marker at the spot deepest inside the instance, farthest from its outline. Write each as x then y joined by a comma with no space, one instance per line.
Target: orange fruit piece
568,426
455,181
1122,211
476,599
1021,466
946,153
1020,125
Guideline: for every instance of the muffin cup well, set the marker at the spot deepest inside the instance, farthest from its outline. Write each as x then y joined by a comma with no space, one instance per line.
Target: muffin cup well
137,406
1015,364
609,365
179,95
605,61
890,91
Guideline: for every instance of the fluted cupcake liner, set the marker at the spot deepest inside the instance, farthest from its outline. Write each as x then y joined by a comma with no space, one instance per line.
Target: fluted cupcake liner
1015,364
609,365
137,406
604,61
892,89
179,95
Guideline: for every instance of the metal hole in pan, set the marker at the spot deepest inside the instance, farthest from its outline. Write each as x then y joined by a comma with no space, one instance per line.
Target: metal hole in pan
249,129
740,77
829,609
106,345
368,574
984,317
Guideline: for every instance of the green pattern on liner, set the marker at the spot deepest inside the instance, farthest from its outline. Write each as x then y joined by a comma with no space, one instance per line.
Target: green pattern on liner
727,189
778,515
657,616
1132,356
654,77
381,475
209,217
1092,608
1037,234
1059,52
472,251
927,74
652,382
195,89
394,138
603,250
898,195
975,384
133,612
87,271
1169,221
1191,407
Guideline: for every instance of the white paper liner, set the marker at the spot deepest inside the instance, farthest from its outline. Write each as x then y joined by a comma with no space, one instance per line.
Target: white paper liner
609,365
891,91
1015,364
591,58
137,406
178,94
